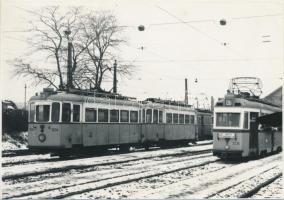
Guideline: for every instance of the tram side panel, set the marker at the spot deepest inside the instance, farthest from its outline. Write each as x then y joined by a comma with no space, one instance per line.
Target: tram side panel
277,139
45,135
71,134
264,142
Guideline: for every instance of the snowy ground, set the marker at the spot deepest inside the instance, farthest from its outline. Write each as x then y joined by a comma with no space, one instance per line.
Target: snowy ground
184,173
10,143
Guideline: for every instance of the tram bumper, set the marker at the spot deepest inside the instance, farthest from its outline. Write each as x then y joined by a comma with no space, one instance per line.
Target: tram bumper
227,154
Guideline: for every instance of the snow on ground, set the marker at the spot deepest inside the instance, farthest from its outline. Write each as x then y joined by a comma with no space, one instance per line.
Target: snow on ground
14,143
204,186
40,167
273,190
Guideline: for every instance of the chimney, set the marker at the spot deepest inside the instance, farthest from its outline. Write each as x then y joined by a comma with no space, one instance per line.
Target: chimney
186,93
212,103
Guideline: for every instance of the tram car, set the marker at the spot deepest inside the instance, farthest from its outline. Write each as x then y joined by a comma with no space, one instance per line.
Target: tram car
204,124
238,130
64,122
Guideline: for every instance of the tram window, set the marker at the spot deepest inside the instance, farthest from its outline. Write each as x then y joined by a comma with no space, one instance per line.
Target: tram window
139,114
155,116
66,112
148,115
169,117
160,116
42,113
228,119
114,116
90,115
55,112
192,119
186,119
76,113
124,116
175,118
133,116
181,118
32,112
103,115
143,118
246,120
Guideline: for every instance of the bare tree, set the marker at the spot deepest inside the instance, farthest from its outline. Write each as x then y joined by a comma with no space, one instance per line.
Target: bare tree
95,37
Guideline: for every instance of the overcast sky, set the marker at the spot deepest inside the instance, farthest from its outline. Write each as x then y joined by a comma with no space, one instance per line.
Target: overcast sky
172,50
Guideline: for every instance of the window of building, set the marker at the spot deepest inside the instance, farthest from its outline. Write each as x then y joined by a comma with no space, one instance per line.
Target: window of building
134,116
160,116
169,118
155,116
55,111
114,116
124,116
66,112
181,118
175,118
90,115
42,113
76,113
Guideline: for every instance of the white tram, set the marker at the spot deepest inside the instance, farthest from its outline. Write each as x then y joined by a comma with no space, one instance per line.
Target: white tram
237,131
64,122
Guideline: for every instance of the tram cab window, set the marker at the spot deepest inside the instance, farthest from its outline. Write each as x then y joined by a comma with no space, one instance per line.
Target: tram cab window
160,116
181,118
169,117
124,116
155,116
228,119
32,112
55,110
114,116
42,113
186,119
149,116
103,115
192,119
246,120
134,116
76,113
175,118
66,112
90,115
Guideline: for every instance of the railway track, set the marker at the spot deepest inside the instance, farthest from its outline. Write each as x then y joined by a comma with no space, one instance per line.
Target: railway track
107,178
11,160
11,172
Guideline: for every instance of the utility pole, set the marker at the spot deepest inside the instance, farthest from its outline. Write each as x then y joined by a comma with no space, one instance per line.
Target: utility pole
25,97
114,77
69,61
186,92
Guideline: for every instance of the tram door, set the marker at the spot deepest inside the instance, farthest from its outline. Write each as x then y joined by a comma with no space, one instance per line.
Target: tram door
253,138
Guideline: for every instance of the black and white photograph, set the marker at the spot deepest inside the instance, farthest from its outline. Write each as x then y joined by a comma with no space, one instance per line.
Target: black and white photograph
141,99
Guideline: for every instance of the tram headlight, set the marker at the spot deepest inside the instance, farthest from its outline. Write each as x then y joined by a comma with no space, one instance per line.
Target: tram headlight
41,137
227,147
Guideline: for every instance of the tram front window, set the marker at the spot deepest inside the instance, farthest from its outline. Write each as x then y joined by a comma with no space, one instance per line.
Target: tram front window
228,119
42,113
